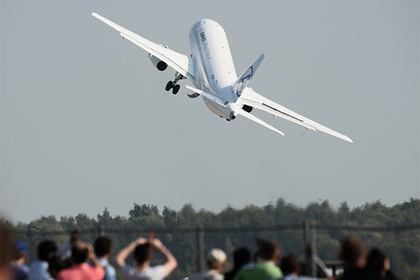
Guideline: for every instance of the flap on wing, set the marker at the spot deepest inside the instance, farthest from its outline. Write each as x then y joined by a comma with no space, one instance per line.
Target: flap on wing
257,120
253,99
181,63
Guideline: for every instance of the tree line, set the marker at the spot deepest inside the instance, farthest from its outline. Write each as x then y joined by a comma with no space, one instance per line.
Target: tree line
402,247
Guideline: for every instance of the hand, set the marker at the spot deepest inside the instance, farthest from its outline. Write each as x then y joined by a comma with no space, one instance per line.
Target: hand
141,240
156,243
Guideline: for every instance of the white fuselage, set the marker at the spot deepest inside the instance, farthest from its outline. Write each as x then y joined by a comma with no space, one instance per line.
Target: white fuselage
215,71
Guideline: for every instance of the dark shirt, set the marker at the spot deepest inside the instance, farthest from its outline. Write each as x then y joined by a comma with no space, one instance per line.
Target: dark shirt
360,274
390,276
231,274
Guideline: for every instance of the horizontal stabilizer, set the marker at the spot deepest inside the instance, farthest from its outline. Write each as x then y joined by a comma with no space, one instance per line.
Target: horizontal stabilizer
257,120
209,96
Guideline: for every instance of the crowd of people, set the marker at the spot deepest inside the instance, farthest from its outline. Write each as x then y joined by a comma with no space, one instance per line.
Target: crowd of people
78,260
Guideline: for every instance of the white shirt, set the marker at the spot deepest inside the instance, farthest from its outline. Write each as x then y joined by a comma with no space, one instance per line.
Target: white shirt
39,271
150,273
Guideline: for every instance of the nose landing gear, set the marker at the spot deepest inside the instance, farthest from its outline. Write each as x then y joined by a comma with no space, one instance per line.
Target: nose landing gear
173,84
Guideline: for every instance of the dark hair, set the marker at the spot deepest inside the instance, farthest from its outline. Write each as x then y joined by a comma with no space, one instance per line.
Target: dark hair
142,253
351,250
269,251
289,264
241,256
55,265
102,246
46,249
79,254
376,260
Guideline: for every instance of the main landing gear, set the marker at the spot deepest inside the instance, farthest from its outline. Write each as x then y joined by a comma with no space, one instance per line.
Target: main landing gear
173,85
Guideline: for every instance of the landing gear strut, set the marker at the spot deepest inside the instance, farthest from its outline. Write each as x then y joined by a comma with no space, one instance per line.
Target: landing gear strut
173,85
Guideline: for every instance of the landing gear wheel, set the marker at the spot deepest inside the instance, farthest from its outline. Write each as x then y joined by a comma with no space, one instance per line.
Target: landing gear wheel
169,85
176,89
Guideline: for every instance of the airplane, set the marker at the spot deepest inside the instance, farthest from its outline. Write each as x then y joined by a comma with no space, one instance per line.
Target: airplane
211,70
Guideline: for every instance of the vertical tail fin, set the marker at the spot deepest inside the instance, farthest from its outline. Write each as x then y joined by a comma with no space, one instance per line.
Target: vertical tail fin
240,84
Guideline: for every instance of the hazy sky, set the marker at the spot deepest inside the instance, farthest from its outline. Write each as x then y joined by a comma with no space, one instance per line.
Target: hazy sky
86,122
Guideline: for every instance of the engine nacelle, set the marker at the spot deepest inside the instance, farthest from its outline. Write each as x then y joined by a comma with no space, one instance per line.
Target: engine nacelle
159,64
247,108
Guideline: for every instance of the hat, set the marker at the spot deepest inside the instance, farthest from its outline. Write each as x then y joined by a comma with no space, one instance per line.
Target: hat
216,256
20,246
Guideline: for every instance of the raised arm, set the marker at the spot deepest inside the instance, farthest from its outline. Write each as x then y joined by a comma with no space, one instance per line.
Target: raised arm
123,254
170,261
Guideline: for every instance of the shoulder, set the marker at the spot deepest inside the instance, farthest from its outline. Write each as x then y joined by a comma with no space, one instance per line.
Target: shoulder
64,274
155,272
360,274
110,272
207,275
269,269
290,277
214,275
96,271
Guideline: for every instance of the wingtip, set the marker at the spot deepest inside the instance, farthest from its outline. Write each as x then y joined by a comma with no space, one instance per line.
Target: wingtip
346,138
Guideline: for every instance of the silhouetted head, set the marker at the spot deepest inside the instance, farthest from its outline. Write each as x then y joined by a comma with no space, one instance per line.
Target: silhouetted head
290,264
353,252
241,256
46,249
377,261
102,246
79,253
55,265
19,250
270,251
142,253
216,259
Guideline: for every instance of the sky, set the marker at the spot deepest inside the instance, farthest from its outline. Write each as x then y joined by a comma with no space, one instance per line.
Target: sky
86,123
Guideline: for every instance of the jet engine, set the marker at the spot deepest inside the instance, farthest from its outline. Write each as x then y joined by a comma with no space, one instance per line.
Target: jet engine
247,108
159,64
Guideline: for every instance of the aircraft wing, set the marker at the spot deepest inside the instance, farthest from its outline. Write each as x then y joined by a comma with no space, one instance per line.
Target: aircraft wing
179,62
251,98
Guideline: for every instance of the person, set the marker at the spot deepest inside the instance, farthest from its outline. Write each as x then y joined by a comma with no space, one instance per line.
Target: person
353,256
65,252
215,261
266,268
103,250
241,256
378,262
142,252
19,270
39,268
80,253
55,265
5,250
290,267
